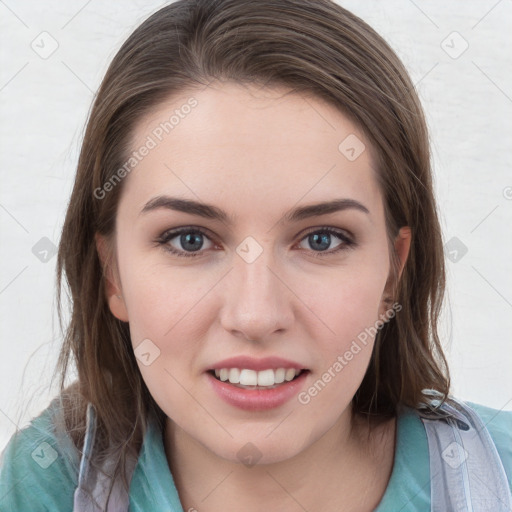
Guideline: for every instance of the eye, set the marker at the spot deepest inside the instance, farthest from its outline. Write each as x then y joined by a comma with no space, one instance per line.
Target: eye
321,239
186,242
189,241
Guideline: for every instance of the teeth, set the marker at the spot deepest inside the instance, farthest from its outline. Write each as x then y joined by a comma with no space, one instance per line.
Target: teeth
234,375
263,378
290,374
248,378
279,375
266,378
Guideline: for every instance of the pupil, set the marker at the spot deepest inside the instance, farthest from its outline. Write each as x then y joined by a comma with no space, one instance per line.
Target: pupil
188,240
323,240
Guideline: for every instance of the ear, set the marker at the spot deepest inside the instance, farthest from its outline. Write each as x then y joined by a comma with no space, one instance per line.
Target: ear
402,246
113,291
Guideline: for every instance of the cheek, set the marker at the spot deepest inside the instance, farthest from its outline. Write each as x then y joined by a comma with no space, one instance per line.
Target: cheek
345,301
163,306
157,295
349,308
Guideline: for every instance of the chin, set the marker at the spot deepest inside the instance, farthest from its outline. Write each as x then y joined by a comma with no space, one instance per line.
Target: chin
251,452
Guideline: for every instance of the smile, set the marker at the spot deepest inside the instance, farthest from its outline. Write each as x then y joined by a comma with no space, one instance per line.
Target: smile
252,379
254,397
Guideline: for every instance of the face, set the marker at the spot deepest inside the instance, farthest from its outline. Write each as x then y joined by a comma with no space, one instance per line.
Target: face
258,275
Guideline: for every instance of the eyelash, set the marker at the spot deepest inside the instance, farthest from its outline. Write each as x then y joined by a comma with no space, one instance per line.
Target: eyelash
164,239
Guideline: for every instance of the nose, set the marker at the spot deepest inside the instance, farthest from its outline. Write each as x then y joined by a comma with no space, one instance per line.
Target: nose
256,299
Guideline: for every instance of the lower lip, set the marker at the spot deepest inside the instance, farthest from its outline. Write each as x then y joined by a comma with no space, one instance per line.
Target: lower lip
257,399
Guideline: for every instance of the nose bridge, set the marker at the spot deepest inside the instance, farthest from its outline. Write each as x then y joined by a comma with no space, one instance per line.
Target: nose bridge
256,301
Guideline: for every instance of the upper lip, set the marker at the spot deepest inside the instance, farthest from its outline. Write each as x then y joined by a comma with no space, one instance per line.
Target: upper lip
250,363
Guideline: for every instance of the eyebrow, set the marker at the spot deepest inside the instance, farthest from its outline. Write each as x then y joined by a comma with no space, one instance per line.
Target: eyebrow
212,212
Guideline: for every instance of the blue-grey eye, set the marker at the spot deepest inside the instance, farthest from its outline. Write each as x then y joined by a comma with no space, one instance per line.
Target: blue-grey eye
321,240
192,242
186,242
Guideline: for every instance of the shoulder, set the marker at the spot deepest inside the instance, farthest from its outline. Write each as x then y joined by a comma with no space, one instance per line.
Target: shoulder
39,467
409,487
497,421
499,424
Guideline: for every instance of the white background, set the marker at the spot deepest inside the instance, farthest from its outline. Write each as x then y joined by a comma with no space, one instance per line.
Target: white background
468,102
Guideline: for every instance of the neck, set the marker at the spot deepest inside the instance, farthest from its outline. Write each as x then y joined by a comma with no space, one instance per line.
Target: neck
345,469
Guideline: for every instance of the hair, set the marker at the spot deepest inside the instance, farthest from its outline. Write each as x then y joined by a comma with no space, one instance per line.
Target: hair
311,47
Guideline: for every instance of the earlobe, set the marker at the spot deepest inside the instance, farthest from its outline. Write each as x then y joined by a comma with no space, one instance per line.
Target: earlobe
118,307
112,290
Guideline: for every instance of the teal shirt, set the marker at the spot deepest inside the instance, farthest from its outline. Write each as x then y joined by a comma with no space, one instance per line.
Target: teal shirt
38,475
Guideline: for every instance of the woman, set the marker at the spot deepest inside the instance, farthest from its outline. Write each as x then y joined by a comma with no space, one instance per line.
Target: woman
255,265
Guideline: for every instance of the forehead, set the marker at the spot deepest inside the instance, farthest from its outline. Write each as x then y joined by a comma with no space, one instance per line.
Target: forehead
243,145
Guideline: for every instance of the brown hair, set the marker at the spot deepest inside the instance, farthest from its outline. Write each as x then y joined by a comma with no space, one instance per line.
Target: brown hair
313,47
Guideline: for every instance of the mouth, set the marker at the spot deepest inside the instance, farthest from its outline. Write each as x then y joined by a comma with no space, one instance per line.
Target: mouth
245,378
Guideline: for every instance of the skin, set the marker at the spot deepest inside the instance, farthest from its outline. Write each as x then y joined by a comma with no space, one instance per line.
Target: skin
257,153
